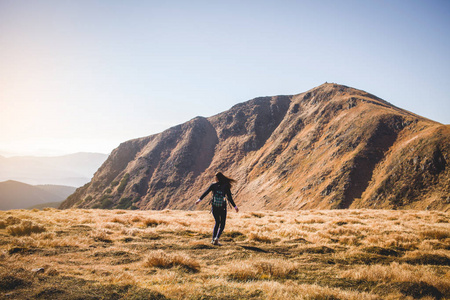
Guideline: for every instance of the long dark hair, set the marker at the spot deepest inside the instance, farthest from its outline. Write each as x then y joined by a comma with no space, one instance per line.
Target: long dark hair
222,179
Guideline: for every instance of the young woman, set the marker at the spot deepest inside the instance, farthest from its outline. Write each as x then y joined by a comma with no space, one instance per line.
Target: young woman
220,189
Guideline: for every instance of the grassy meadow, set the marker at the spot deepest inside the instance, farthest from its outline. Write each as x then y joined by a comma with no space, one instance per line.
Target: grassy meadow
117,254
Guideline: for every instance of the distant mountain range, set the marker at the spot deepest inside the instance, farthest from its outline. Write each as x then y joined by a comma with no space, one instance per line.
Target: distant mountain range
18,195
332,147
69,170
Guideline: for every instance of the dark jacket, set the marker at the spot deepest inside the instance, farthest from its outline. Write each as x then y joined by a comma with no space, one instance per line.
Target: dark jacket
225,188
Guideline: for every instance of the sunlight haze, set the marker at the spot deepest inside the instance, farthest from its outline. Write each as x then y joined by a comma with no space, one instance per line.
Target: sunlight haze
88,75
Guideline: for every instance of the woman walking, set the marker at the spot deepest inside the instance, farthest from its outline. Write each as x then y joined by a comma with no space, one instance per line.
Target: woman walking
220,189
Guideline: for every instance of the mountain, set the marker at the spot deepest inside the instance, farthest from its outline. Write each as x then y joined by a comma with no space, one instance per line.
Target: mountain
72,170
60,191
17,195
46,204
332,147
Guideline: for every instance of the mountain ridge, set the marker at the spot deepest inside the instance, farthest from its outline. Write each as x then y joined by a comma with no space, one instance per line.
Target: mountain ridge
330,147
19,195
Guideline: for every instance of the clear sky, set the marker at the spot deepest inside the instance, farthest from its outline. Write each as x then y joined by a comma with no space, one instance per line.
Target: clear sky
86,75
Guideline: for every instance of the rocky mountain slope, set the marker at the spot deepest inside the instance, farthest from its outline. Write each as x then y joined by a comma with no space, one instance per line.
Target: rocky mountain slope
331,147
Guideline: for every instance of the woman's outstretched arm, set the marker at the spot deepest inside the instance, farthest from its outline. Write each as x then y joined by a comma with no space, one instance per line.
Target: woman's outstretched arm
204,194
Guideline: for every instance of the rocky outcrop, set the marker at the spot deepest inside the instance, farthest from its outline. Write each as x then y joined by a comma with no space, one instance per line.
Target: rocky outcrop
331,147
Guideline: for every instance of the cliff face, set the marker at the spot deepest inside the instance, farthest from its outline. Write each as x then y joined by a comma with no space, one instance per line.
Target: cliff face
330,147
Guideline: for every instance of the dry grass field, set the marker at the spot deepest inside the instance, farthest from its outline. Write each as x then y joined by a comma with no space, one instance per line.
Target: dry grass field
117,254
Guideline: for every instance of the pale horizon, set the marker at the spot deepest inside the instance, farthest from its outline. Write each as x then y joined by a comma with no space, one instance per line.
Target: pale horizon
85,76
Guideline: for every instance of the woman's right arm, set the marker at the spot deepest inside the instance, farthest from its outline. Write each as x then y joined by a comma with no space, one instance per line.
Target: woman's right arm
204,194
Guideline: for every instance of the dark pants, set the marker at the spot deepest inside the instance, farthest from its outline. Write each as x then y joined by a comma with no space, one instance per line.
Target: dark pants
220,215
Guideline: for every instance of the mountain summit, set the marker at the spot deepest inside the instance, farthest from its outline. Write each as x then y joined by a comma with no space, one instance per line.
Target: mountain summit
332,147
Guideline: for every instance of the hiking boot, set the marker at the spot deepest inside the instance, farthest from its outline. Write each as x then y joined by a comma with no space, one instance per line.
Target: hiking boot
216,242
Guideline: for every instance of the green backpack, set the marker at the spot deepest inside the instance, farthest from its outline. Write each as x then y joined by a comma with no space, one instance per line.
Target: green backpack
218,199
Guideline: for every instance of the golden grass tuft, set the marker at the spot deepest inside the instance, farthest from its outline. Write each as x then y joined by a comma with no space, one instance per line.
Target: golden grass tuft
311,221
11,220
259,237
406,241
241,272
101,236
435,257
428,245
257,215
136,219
437,234
396,272
131,231
292,290
149,222
122,278
349,240
275,268
261,270
119,220
25,228
161,259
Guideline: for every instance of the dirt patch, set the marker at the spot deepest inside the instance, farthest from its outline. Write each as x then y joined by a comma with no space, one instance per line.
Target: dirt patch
418,290
363,258
253,248
235,235
10,282
382,251
50,293
317,250
197,246
428,259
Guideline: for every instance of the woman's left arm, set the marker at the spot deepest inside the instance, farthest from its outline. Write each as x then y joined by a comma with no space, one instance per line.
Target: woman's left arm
230,198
